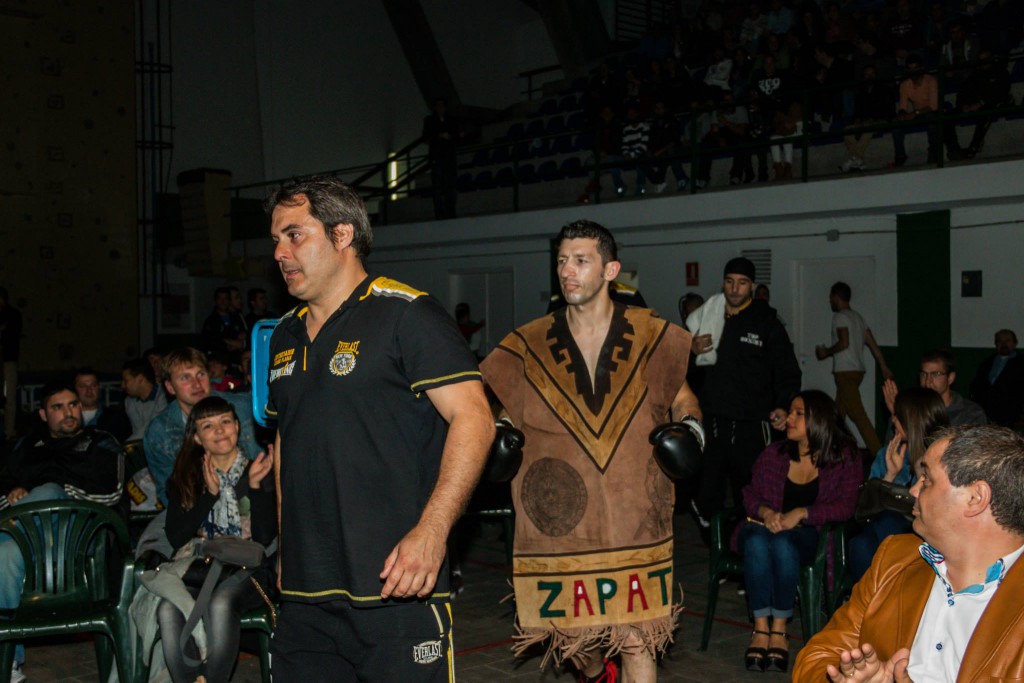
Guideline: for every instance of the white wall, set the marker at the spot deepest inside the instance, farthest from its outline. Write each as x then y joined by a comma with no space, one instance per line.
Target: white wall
659,235
989,239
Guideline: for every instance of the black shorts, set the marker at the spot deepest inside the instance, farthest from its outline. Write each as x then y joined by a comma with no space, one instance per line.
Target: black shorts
334,641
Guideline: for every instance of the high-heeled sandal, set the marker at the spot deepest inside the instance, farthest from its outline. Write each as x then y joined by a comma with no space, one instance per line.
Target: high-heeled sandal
777,657
755,657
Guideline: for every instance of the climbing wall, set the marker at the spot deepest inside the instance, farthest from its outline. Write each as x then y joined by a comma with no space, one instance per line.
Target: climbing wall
68,251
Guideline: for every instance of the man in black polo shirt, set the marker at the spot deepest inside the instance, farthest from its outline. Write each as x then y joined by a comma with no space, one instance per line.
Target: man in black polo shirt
383,429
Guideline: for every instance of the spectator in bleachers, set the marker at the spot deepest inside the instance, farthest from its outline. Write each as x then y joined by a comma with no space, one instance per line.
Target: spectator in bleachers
729,127
936,27
833,105
677,87
65,460
224,330
839,28
938,373
918,413
716,78
906,32
665,142
95,413
635,136
217,490
918,101
761,122
10,350
987,87
188,381
960,49
872,105
754,26
776,48
609,150
698,127
441,131
788,122
809,27
999,381
144,397
871,42
798,484
258,309
780,18
742,72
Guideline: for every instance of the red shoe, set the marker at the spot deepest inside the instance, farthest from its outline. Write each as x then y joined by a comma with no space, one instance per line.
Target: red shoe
609,675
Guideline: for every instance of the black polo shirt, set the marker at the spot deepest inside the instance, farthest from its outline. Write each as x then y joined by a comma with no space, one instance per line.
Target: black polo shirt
360,440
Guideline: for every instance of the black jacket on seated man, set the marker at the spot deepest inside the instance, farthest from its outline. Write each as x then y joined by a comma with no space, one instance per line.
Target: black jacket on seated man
89,466
1002,400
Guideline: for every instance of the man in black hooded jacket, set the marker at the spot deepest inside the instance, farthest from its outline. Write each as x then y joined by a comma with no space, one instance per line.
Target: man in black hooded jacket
746,393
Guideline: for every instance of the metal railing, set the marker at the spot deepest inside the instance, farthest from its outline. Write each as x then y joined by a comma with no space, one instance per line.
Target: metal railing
414,158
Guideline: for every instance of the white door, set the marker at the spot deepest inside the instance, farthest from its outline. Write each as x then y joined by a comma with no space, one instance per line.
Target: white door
812,280
491,299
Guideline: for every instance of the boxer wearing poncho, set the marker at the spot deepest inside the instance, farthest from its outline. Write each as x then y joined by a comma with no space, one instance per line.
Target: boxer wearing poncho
592,569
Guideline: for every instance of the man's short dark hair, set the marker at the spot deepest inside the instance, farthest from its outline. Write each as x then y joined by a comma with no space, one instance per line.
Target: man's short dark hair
253,293
994,455
1009,332
140,366
914,59
51,389
333,203
84,371
584,229
842,290
943,356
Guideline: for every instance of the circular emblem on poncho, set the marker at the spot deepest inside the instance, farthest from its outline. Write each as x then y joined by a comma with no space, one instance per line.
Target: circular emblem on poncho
554,496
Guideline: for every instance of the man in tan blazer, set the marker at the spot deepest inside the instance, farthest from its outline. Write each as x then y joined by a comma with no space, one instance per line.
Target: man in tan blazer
948,609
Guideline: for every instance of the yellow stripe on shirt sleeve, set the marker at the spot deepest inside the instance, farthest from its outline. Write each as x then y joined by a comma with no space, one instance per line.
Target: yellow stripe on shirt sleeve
435,380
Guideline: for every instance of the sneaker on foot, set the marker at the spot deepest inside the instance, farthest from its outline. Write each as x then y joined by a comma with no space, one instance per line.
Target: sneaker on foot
700,184
620,190
660,187
16,675
681,185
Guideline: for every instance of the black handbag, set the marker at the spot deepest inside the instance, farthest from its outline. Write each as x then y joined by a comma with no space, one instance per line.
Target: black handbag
225,560
879,495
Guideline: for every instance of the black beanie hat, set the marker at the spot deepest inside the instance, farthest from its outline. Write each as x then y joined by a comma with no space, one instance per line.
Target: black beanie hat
740,266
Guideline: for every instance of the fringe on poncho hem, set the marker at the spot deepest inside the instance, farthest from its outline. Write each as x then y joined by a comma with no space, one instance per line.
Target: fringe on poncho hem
577,644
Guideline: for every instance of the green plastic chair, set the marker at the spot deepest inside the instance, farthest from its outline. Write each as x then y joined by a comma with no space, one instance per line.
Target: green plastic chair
65,544
723,562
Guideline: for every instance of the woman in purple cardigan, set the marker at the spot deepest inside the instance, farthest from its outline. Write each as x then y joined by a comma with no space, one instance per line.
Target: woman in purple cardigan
798,485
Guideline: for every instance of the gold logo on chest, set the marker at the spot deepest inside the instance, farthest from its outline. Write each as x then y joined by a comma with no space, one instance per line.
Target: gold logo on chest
344,360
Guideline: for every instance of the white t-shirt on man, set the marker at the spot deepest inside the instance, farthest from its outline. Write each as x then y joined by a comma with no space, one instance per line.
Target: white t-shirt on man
850,359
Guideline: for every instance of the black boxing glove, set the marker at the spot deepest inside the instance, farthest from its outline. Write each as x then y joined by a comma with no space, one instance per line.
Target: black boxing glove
678,447
506,453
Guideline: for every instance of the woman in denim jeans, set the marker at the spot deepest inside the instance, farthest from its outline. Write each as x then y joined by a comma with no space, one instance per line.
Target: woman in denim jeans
798,485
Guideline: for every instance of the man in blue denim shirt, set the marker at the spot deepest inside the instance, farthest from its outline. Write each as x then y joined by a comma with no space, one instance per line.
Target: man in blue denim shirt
186,378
